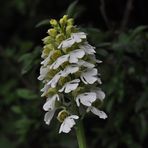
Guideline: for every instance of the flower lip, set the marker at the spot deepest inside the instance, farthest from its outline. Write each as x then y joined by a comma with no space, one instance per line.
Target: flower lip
97,112
50,103
70,86
75,38
68,123
89,76
86,98
48,116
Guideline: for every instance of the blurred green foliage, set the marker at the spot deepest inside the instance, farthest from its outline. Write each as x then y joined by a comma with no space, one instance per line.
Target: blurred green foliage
124,72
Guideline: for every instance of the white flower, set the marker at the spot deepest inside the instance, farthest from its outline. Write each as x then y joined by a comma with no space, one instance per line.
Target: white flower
85,64
48,116
100,94
93,58
75,55
46,61
50,103
87,48
59,61
89,76
43,72
72,57
70,86
86,98
53,82
45,90
75,38
70,70
68,123
97,112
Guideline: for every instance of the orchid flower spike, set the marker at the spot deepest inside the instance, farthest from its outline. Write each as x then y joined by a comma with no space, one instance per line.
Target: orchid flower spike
69,74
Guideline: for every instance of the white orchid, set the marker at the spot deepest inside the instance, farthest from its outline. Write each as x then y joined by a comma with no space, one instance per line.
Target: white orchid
53,82
46,60
68,123
69,74
75,55
43,72
87,48
97,112
85,64
89,76
59,61
86,98
75,38
100,94
50,103
70,86
71,69
48,116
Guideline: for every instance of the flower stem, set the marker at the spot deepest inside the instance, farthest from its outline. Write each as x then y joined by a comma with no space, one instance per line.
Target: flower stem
80,135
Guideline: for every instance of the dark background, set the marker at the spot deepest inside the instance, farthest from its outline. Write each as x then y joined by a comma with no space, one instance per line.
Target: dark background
118,29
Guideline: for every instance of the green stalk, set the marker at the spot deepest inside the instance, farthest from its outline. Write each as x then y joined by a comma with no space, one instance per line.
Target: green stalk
80,135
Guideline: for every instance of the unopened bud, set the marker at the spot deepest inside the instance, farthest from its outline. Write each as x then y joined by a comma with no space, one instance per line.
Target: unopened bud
70,22
60,38
52,32
62,115
53,22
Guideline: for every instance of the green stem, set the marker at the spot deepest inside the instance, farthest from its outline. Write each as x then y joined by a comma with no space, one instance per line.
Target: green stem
80,135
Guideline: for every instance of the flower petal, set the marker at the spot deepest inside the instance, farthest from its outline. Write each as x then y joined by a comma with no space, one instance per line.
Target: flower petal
75,38
48,116
89,76
98,112
87,48
59,61
68,123
100,94
50,103
70,86
53,82
85,64
43,72
70,70
66,43
86,98
75,55
46,61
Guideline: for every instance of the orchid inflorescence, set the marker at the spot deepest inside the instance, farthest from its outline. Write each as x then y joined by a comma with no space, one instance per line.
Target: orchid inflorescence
69,74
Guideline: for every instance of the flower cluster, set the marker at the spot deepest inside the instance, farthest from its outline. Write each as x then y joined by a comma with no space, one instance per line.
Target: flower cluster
69,74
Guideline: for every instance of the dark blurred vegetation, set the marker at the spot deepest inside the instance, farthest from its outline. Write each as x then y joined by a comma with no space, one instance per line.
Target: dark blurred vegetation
118,28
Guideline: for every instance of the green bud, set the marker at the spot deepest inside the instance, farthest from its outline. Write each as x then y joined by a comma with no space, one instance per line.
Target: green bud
62,81
53,22
52,32
62,115
67,50
51,91
47,40
63,20
47,48
52,72
60,38
65,17
56,54
69,29
70,22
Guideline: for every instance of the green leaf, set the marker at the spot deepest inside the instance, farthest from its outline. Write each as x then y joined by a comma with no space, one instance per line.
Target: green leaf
26,94
43,23
138,30
73,10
